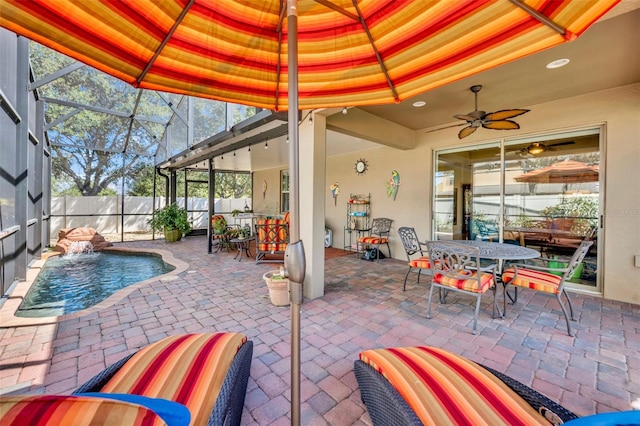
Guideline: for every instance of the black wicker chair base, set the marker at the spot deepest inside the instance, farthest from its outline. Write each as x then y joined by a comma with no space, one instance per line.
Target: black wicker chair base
228,407
387,407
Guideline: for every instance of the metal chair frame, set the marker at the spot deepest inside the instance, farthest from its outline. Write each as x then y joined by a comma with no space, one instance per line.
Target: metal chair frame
567,273
412,246
381,228
455,261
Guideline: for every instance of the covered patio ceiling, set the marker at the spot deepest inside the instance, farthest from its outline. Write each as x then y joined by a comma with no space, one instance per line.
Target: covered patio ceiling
604,57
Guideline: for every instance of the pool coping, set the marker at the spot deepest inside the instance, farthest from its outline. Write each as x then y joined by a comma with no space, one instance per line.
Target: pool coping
13,301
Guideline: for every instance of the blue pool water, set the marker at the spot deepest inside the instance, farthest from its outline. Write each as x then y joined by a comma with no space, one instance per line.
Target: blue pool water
71,283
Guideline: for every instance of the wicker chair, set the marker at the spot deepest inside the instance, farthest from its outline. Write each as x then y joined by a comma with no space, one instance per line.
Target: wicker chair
378,235
196,379
228,406
457,267
412,247
460,382
547,280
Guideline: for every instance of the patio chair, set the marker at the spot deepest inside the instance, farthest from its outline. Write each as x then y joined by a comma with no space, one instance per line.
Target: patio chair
457,267
428,385
206,373
413,246
272,238
546,279
378,235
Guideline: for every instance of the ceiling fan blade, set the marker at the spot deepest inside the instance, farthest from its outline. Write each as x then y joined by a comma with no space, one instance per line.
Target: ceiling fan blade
501,125
561,143
464,117
504,114
466,132
445,127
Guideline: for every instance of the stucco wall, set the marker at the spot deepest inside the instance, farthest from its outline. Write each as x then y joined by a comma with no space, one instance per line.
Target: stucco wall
269,201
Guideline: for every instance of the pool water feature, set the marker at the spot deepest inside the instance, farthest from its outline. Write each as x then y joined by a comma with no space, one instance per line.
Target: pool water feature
71,283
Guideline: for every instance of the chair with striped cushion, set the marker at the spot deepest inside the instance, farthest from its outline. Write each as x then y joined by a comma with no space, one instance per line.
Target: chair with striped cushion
208,373
430,386
417,254
547,280
457,267
272,238
378,235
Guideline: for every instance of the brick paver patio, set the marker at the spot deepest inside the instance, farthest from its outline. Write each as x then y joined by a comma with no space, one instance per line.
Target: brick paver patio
364,307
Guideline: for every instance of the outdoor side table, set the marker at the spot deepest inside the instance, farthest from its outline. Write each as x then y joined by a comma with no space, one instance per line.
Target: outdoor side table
243,246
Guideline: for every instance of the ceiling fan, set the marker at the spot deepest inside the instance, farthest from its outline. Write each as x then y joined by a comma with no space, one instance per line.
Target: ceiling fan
492,120
536,148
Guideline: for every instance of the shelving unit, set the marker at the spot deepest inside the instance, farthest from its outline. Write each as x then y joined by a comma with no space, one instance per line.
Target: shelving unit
358,220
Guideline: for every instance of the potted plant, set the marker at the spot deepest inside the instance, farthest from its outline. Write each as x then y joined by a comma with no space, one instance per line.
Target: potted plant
278,285
172,220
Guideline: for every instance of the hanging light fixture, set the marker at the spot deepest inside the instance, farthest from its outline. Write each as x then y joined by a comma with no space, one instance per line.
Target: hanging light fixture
249,148
287,138
344,110
234,152
266,144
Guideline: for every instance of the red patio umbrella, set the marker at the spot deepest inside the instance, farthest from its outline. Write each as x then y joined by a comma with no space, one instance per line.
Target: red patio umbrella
567,171
293,55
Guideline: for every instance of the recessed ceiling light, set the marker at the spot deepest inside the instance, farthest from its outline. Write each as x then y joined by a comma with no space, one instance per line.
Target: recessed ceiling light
419,104
557,63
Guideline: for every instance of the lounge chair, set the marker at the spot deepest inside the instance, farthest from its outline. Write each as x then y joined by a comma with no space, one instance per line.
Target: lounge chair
429,386
206,373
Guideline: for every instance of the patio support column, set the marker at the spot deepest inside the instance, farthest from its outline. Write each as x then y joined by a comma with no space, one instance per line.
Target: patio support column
21,172
312,200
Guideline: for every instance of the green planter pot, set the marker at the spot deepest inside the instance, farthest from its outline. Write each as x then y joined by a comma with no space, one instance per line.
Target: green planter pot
173,235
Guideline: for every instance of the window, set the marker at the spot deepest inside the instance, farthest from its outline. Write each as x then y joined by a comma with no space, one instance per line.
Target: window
284,191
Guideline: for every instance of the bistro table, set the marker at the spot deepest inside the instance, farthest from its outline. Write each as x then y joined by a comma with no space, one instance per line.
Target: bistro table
242,245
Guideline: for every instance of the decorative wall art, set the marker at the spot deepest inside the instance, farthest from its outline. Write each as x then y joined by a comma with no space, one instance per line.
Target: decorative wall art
392,184
335,190
264,189
361,166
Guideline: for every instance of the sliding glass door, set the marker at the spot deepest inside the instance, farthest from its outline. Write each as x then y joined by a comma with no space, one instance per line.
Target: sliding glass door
542,193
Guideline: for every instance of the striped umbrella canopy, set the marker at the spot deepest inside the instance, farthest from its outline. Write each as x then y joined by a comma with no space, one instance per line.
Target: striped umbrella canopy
298,54
567,171
349,52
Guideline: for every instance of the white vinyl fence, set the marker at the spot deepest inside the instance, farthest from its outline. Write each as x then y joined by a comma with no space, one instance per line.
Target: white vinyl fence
103,213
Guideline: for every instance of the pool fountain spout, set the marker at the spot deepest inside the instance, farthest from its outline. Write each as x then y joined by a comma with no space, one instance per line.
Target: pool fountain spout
85,237
79,247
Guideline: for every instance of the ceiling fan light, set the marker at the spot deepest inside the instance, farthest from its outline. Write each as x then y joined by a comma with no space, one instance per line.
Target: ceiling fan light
535,148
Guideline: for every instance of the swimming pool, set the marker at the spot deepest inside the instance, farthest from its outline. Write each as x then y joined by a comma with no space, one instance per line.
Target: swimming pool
75,282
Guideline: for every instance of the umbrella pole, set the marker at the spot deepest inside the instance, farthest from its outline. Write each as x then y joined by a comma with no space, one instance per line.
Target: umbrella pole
294,257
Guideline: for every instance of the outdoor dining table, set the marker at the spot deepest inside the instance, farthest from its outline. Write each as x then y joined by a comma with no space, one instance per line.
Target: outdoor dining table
501,251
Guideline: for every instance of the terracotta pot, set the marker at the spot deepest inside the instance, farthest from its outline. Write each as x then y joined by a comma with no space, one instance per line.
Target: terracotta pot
278,289
173,235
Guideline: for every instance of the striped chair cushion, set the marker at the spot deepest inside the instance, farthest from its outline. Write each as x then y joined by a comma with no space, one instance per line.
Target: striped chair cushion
276,230
373,240
468,284
188,369
56,410
272,247
537,280
421,262
446,389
